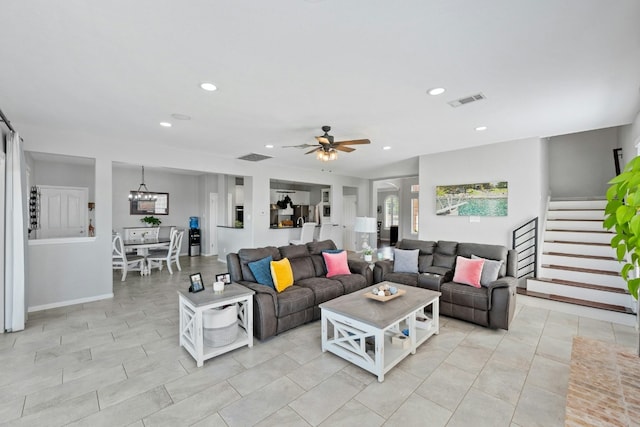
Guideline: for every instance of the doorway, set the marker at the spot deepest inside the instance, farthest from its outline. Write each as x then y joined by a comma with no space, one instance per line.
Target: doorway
348,219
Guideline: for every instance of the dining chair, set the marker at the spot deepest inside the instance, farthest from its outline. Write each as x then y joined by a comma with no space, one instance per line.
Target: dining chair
169,255
325,232
306,235
120,260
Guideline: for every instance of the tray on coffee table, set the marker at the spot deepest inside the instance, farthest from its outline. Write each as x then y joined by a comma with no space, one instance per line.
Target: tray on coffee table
386,297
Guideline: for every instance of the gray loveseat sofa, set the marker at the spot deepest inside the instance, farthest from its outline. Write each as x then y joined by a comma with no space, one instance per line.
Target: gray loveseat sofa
492,305
275,312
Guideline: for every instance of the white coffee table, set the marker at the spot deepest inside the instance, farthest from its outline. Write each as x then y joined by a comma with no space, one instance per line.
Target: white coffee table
192,305
348,321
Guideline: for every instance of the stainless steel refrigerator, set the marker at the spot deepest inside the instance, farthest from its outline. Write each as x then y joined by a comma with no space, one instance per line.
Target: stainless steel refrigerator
300,211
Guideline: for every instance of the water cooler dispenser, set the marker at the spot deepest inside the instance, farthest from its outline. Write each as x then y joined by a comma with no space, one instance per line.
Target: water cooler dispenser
194,236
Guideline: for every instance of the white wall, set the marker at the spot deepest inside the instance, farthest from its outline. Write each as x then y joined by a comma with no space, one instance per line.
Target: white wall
581,164
517,162
629,137
182,189
65,174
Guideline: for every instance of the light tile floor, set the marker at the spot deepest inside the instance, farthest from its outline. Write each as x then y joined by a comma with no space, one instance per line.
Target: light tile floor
117,362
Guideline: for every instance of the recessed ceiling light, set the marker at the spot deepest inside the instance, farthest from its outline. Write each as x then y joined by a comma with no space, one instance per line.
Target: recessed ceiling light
165,124
269,146
386,147
208,86
179,116
481,128
436,91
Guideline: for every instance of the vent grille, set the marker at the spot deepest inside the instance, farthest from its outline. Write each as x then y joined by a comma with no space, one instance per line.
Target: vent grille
253,157
467,100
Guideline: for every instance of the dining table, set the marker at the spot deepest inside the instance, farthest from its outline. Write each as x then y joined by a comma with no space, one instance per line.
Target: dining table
142,247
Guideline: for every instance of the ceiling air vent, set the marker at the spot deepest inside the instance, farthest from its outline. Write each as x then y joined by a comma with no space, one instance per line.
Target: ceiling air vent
467,100
253,157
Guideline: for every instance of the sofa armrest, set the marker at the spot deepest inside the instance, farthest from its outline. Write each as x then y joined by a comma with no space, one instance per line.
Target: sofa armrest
357,266
380,270
503,282
502,302
265,302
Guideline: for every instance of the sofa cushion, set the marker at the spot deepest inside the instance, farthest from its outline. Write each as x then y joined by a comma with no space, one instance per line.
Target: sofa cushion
316,248
468,271
490,270
405,261
302,268
445,261
336,263
261,270
323,289
446,248
282,274
495,252
410,279
351,282
294,251
425,247
467,296
249,255
293,300
424,262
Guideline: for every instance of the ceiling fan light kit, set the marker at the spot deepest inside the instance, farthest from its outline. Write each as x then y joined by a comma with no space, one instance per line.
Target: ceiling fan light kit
328,148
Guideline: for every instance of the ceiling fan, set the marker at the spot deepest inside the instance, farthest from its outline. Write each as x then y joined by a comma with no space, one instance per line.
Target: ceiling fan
327,148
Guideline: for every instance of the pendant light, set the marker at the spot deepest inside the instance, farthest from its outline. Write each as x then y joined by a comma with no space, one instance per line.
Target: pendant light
143,192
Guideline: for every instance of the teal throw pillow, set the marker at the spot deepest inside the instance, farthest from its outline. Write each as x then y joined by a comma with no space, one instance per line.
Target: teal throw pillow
261,270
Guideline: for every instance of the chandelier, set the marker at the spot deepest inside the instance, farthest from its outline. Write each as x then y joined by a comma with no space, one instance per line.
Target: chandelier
327,154
143,192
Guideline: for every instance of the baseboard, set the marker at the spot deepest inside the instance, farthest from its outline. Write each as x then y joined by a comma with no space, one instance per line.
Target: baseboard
70,302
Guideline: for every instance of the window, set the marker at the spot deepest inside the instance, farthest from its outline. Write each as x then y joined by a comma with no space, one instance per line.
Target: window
390,211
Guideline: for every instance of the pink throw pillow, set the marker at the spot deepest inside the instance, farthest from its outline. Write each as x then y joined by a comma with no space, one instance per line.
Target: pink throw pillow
468,271
336,263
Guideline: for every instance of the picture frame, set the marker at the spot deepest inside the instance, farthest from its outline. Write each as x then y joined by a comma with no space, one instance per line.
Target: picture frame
158,205
197,284
223,277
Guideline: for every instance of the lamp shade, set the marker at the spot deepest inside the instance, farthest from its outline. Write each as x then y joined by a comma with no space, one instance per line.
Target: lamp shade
364,224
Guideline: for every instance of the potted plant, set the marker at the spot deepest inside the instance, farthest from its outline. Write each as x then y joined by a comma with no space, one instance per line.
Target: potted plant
151,221
621,214
368,254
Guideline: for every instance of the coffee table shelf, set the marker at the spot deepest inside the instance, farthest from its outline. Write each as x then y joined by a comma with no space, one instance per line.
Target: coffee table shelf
350,322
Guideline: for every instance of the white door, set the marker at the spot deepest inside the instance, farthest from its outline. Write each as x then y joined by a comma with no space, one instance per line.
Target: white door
63,212
213,224
348,219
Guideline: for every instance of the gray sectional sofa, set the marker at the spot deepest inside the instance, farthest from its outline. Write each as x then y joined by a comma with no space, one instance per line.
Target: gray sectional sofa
275,312
492,305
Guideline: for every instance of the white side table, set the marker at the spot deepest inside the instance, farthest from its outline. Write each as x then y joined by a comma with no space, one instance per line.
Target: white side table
192,305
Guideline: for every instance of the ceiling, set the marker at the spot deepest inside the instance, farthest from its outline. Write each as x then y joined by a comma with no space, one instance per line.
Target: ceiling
284,68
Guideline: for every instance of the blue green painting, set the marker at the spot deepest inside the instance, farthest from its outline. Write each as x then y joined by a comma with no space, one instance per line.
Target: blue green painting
481,199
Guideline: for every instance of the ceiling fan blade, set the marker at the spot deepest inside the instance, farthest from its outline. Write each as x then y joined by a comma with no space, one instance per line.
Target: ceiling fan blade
354,142
299,146
314,150
323,140
345,149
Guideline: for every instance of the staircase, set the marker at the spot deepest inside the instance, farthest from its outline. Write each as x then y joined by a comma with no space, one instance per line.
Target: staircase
578,265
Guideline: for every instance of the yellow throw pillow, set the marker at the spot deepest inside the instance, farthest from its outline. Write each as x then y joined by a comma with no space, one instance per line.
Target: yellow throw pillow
282,274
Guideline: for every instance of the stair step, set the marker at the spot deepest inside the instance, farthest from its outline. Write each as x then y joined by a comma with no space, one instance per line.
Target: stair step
582,261
603,258
586,236
593,304
585,204
567,242
583,231
582,270
584,285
